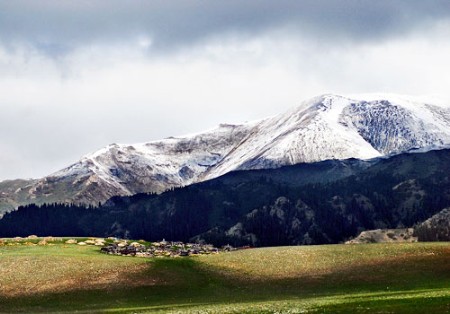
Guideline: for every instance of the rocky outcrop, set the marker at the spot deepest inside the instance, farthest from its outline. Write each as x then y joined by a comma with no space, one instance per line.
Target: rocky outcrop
384,236
436,228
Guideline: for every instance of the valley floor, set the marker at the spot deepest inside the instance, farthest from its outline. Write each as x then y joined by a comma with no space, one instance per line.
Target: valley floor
366,278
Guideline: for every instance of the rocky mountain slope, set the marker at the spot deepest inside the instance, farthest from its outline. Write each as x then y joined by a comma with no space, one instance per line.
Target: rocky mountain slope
322,128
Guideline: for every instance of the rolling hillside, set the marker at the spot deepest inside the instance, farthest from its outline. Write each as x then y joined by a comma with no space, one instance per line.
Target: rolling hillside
376,278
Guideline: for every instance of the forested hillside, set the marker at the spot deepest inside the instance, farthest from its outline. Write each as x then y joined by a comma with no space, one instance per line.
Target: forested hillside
264,207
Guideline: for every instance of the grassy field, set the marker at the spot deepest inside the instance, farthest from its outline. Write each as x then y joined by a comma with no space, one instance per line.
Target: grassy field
372,278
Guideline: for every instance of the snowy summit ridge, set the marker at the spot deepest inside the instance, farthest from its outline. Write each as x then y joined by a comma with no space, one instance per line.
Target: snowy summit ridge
324,127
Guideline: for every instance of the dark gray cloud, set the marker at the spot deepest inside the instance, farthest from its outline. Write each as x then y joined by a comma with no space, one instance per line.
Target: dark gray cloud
55,27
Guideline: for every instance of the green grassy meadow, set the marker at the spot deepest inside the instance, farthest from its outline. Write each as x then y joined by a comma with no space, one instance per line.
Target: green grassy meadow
369,278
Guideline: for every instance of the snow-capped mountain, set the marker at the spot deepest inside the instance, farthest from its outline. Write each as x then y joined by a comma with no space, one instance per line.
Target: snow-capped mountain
325,127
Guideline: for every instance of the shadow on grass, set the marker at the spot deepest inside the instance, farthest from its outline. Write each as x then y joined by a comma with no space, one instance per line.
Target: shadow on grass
421,304
180,283
174,281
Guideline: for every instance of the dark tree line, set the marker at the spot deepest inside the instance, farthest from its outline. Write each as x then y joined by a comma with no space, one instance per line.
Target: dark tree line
261,208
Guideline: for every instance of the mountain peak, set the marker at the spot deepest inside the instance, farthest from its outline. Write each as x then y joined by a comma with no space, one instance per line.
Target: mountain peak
325,127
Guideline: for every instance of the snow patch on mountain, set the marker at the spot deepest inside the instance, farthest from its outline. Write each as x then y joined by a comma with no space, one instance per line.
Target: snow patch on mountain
325,127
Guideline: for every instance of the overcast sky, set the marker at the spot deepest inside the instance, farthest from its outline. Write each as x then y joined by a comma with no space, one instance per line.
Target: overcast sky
78,75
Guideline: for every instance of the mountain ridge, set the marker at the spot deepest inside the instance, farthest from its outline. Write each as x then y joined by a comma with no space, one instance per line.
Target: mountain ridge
322,128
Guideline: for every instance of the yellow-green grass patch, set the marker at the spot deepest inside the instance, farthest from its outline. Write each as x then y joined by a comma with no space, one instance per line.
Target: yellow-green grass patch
399,278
